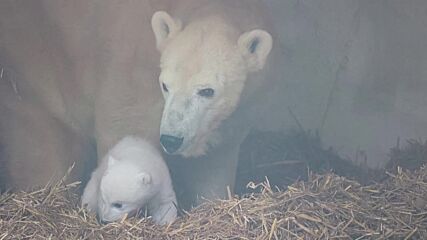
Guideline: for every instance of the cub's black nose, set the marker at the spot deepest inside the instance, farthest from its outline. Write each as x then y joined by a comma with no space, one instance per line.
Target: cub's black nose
170,143
100,220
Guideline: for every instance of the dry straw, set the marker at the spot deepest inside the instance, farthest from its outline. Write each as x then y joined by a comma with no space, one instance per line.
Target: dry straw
324,207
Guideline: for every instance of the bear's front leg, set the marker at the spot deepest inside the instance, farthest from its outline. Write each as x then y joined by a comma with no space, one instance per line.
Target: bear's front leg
214,174
164,210
90,193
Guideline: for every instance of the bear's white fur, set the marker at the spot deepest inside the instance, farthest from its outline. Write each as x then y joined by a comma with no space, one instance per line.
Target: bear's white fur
212,57
73,75
132,175
206,54
92,69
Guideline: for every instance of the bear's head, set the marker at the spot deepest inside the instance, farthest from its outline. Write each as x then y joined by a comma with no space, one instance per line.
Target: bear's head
123,190
204,67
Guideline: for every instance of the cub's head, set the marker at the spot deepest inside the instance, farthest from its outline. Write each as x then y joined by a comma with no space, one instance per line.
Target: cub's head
204,67
123,190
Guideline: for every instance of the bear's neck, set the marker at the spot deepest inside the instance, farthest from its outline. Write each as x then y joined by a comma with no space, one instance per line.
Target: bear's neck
243,15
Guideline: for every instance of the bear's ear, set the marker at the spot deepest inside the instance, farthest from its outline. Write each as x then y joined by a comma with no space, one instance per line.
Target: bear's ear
144,178
111,161
164,27
255,46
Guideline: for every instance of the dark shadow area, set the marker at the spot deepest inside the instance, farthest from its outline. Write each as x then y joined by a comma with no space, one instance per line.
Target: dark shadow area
412,155
285,157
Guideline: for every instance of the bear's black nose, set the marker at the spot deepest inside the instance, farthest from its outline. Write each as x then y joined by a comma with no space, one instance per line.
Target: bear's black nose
100,220
170,143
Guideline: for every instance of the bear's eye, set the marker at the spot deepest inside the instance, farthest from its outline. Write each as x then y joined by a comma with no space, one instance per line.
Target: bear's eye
117,205
164,87
207,92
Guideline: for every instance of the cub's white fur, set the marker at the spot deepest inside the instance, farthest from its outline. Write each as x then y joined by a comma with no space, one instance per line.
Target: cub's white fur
132,175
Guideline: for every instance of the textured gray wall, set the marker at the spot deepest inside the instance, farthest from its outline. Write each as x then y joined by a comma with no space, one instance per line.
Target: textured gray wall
356,70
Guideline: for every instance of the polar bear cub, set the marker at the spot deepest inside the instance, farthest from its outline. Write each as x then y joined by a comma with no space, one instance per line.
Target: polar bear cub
132,175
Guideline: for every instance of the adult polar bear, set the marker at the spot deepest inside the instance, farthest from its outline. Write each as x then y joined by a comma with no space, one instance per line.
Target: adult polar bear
213,55
85,71
73,73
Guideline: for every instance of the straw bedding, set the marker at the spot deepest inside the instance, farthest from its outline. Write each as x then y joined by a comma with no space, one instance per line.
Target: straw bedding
325,206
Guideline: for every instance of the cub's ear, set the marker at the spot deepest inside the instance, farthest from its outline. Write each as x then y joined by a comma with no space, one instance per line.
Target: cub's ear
111,161
164,28
255,46
144,178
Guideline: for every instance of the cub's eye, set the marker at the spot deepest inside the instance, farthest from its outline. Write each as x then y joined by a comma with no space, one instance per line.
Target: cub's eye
207,92
117,205
164,87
